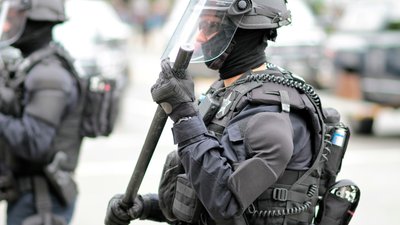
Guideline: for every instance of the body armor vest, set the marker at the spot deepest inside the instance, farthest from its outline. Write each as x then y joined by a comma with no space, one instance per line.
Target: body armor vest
68,138
294,197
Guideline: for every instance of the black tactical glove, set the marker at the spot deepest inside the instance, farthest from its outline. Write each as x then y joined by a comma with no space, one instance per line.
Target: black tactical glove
118,213
175,95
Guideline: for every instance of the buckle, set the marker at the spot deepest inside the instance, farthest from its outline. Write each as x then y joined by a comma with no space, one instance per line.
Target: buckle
280,194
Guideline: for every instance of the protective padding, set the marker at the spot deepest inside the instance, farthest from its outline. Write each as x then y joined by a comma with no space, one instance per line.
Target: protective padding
250,179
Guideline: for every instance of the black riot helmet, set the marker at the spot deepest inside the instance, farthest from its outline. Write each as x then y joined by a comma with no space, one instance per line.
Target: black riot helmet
203,19
15,13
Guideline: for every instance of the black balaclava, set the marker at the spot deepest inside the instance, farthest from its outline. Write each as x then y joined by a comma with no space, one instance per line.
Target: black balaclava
36,35
245,52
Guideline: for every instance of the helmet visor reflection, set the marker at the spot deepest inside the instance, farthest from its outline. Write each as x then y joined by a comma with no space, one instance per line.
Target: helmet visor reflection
201,22
209,28
12,22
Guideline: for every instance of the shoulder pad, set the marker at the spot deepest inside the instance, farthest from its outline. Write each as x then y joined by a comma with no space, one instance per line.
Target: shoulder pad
49,74
271,93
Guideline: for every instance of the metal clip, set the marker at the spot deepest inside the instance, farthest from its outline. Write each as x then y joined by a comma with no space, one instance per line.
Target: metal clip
280,194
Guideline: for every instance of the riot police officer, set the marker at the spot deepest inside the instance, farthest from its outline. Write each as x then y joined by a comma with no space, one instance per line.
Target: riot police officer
45,129
245,146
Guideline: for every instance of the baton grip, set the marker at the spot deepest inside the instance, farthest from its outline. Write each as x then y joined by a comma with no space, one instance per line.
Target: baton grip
154,132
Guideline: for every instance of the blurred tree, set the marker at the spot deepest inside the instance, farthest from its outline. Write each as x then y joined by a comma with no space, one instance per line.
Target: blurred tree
317,6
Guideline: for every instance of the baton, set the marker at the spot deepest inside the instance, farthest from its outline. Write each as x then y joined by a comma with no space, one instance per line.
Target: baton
155,130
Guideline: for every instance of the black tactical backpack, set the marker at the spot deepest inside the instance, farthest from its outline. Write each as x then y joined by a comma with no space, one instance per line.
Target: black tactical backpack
99,95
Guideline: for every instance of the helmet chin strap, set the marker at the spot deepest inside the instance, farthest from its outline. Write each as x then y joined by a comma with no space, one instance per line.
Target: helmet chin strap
217,63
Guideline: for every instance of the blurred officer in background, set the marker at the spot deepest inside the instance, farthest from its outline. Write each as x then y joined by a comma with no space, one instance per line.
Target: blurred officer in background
243,151
40,137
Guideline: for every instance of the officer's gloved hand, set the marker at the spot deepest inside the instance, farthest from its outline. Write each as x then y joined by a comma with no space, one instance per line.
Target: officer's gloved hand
118,213
175,95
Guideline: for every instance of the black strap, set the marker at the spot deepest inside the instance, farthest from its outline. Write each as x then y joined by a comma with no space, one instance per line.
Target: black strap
285,101
28,63
43,205
34,58
243,90
42,199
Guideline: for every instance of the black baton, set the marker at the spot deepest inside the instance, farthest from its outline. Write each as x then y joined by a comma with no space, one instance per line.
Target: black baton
155,130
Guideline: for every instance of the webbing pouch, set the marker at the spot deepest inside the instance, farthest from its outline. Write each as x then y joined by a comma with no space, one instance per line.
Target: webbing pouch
100,106
338,148
336,141
331,167
166,190
61,181
186,207
339,204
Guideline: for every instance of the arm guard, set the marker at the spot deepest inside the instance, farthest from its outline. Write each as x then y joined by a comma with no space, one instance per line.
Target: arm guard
250,179
48,87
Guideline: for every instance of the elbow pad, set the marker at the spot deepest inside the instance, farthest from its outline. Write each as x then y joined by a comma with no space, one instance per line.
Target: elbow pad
250,180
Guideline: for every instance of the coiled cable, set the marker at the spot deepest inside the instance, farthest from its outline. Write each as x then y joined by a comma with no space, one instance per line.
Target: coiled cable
287,81
328,144
284,212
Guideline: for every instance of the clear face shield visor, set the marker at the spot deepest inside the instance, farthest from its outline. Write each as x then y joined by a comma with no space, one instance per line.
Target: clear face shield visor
12,20
206,25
